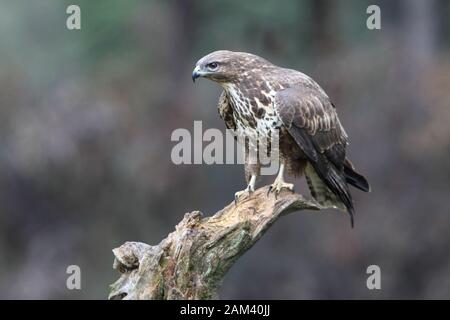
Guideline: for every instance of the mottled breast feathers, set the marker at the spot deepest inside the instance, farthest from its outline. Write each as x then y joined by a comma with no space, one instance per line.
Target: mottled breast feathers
226,112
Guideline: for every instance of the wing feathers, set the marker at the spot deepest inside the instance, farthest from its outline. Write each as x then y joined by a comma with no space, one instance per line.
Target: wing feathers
312,121
312,112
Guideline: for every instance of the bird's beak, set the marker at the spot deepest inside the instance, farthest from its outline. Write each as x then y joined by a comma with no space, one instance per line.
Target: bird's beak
196,73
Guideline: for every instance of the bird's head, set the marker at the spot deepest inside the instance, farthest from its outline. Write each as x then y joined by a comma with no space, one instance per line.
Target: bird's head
226,66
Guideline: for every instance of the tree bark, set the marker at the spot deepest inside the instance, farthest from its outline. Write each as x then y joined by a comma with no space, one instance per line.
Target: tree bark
193,260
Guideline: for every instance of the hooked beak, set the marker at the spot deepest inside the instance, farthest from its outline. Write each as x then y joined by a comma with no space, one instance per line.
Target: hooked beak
196,73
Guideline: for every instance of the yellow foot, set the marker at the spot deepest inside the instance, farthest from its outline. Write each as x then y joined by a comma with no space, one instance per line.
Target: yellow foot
278,185
243,194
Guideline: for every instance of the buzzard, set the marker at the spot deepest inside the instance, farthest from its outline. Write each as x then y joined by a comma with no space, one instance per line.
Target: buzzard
258,98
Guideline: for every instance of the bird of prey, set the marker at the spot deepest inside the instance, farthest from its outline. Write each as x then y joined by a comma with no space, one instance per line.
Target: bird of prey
258,98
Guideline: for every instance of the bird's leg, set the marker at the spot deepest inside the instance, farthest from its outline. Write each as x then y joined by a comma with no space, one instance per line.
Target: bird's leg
279,182
252,171
247,191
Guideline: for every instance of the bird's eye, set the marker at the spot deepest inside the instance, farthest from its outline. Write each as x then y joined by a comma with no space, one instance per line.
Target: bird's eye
213,66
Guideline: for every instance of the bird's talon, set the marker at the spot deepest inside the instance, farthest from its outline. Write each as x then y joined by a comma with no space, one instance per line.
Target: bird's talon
242,194
277,186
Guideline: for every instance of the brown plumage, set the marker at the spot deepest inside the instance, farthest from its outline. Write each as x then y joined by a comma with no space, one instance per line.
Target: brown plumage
260,98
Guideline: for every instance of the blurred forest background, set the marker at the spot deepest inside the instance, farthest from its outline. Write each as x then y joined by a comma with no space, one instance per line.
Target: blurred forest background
86,118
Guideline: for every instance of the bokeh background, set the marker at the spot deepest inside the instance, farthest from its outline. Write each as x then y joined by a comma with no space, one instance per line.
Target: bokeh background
86,118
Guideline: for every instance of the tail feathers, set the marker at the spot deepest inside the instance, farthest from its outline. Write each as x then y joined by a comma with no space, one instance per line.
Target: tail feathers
338,185
351,212
329,185
330,189
354,178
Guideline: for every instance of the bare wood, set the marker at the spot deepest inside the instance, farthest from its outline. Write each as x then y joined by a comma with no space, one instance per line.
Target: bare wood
193,260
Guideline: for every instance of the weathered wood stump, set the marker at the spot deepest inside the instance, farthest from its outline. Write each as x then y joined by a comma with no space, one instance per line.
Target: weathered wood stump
193,260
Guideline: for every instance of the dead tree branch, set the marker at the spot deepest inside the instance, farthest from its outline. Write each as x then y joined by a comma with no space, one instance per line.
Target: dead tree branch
192,261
